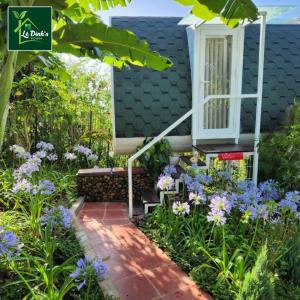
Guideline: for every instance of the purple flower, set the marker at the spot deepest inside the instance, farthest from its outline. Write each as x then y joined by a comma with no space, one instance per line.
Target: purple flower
269,190
9,244
82,150
85,268
46,187
291,201
169,170
28,168
100,268
205,179
165,182
246,185
57,217
185,178
195,186
44,146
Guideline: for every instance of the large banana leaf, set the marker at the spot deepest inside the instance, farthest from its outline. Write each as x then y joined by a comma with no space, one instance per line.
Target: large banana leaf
115,46
231,12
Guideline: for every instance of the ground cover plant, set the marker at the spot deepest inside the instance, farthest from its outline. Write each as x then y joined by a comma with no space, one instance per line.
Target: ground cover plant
40,257
236,240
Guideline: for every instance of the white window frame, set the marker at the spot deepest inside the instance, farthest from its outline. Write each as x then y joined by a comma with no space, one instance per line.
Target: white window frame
201,32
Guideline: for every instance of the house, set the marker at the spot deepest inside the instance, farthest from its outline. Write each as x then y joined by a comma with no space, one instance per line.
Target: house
146,102
209,59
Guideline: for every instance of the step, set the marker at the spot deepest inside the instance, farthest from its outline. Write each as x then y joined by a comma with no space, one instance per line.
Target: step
224,148
150,196
187,160
179,171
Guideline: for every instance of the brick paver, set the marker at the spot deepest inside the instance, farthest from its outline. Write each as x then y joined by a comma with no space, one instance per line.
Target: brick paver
138,269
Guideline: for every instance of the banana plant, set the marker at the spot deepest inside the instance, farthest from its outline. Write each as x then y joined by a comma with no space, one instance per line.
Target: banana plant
231,12
78,30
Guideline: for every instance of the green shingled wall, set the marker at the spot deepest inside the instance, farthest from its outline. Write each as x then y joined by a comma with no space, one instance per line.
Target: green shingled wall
146,102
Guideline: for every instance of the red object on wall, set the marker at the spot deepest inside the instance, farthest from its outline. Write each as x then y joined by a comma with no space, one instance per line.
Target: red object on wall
231,156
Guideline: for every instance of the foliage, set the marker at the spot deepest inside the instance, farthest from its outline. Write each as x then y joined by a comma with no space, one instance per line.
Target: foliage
214,229
258,283
280,154
77,30
231,12
156,158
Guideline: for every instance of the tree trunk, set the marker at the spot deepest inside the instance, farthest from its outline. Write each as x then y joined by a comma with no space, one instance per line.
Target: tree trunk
6,80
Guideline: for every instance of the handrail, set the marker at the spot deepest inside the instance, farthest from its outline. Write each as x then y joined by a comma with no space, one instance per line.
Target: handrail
169,129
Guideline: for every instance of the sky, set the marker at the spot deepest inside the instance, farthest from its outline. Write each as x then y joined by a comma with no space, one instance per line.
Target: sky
171,8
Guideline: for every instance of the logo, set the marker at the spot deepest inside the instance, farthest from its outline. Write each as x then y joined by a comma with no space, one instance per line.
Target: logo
29,28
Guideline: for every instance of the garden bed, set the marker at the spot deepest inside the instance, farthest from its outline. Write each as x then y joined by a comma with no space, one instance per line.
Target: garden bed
40,256
236,240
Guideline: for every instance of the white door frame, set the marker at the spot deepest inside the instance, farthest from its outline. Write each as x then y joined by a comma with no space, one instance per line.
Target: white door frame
236,83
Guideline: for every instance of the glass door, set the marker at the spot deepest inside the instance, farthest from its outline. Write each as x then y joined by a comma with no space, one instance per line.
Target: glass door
218,118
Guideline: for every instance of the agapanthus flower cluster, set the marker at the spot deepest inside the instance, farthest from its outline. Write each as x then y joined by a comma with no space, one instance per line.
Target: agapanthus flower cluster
219,206
165,183
57,217
181,209
169,170
85,268
265,202
269,190
205,179
291,201
45,146
9,243
70,156
81,150
19,151
192,183
22,186
197,198
52,157
46,187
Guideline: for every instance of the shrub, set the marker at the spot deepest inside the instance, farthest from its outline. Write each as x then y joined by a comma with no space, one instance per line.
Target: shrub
280,153
258,283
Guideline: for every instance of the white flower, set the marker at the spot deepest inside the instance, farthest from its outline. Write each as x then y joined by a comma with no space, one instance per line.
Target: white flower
181,209
92,157
165,182
52,157
19,151
41,154
70,156
197,198
220,203
216,216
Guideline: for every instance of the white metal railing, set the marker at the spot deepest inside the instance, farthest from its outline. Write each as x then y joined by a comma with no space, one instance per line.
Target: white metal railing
258,96
169,129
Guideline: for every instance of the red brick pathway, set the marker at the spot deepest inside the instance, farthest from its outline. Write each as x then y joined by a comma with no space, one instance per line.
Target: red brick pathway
138,269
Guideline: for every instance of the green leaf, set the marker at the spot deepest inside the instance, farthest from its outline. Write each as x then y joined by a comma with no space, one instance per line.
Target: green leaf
114,46
23,14
231,12
16,14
